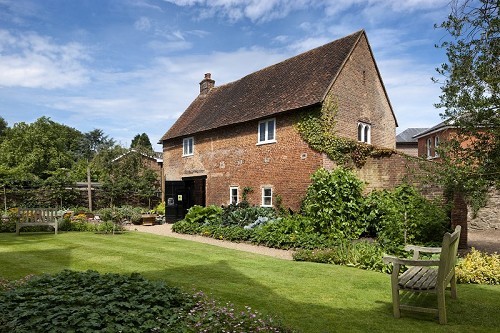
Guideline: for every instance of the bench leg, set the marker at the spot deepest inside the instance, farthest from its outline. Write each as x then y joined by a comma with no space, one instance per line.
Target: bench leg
395,291
441,306
453,286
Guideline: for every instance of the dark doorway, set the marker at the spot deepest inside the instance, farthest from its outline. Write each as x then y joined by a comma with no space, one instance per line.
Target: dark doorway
182,195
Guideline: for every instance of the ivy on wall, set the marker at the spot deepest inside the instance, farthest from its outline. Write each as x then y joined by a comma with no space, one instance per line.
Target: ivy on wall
317,128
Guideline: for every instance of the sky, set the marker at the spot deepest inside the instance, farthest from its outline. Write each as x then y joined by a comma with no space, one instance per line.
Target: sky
133,66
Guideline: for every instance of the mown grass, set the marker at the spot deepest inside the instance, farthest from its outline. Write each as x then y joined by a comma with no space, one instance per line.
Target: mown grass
307,296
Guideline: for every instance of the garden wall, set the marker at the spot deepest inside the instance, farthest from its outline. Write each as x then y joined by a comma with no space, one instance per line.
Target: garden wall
488,217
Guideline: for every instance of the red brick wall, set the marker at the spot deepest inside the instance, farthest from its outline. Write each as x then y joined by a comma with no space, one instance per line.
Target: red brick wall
360,96
231,157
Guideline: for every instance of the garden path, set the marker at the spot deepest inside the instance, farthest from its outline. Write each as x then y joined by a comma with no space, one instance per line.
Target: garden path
487,241
166,230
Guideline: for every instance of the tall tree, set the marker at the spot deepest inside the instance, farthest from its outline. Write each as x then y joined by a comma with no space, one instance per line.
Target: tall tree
470,95
40,147
3,127
142,143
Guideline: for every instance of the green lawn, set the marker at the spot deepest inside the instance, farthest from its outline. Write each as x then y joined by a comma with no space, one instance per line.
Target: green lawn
310,297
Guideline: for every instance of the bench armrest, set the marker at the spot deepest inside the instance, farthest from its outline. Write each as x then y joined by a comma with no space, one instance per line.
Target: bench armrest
410,262
423,249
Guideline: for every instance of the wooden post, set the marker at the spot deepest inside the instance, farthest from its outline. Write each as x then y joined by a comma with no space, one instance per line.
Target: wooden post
89,188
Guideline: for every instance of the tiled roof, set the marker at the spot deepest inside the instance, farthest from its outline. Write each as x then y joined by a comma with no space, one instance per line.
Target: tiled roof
295,83
436,128
408,134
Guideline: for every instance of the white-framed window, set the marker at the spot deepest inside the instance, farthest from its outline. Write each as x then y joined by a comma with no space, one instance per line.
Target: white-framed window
233,195
429,147
267,131
436,144
267,197
188,146
364,132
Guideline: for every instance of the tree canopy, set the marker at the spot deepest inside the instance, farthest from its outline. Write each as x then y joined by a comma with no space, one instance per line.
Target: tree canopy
470,95
142,143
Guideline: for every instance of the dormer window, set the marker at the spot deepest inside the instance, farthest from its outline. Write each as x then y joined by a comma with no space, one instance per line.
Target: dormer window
267,131
188,146
364,132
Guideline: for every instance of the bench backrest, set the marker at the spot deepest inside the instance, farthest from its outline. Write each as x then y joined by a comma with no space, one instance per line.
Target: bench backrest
37,215
448,257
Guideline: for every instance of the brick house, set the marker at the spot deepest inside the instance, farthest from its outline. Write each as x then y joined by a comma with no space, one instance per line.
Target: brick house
241,135
407,143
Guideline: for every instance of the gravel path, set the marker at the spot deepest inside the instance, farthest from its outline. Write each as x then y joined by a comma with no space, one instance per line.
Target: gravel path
166,230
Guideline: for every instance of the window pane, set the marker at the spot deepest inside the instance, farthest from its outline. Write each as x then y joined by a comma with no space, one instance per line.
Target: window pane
360,132
262,132
267,192
270,130
367,128
190,144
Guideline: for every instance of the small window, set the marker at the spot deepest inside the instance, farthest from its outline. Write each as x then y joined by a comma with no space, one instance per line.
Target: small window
436,144
267,197
364,132
187,146
267,131
429,148
233,195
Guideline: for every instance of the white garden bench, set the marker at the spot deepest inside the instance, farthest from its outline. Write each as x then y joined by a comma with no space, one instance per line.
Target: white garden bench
37,217
421,277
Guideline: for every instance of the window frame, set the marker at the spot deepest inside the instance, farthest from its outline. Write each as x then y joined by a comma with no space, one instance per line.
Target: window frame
428,147
264,196
186,144
266,131
364,132
231,196
436,144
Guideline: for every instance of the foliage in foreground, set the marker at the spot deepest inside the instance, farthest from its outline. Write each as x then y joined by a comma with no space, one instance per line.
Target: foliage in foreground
479,267
91,302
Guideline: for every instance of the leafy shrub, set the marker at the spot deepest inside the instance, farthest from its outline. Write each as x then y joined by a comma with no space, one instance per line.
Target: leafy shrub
200,215
361,254
404,216
245,215
160,209
91,302
479,267
185,227
334,202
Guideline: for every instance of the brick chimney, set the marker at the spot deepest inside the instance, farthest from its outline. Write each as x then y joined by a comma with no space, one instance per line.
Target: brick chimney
206,84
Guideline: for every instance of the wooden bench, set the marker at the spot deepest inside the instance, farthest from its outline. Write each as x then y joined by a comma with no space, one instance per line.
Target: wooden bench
37,217
422,277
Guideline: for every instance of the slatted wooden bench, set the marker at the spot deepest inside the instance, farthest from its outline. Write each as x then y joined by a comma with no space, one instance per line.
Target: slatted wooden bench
422,277
37,217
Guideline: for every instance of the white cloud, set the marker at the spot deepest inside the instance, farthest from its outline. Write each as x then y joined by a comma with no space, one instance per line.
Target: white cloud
142,24
33,61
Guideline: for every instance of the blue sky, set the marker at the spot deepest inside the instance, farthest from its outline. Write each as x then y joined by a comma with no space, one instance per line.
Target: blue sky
133,66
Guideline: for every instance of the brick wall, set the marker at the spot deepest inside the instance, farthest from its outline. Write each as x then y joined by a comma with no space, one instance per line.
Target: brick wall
231,157
361,97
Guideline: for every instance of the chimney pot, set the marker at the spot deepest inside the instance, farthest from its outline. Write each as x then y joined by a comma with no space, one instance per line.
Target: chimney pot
206,84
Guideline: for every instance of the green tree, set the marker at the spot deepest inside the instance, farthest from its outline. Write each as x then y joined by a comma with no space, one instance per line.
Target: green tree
40,148
142,143
470,96
3,127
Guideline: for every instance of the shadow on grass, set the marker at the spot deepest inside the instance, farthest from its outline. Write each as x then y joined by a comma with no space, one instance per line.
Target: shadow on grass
22,255
229,285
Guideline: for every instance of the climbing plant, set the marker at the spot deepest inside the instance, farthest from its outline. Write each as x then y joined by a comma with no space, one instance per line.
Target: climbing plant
317,128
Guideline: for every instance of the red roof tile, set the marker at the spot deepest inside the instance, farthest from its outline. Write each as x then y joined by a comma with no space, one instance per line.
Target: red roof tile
297,82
